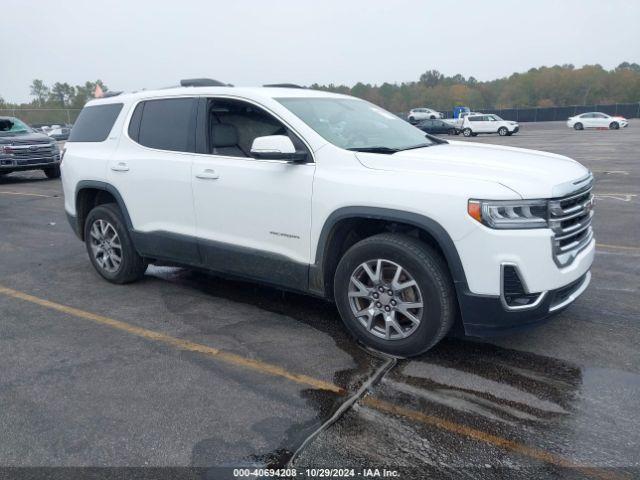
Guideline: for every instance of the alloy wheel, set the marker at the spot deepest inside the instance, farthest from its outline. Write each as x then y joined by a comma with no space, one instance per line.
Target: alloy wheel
105,246
386,299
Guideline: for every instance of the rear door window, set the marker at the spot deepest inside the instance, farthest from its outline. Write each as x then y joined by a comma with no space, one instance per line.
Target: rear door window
95,123
165,124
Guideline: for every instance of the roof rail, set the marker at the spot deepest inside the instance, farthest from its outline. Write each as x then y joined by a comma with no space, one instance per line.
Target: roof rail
202,82
111,94
283,85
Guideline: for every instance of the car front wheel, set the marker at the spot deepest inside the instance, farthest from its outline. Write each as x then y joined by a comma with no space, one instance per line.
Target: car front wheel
578,126
502,131
614,126
109,246
395,294
52,172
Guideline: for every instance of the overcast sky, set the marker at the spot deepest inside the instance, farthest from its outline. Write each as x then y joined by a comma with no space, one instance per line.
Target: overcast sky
133,44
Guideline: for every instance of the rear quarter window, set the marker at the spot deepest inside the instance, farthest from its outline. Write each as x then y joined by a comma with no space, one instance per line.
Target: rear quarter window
95,122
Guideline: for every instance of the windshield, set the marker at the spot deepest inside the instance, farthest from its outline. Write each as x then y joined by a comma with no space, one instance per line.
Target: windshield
357,125
13,126
496,118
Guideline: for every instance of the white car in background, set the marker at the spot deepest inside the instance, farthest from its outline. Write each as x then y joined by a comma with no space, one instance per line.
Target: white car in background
418,114
474,124
596,120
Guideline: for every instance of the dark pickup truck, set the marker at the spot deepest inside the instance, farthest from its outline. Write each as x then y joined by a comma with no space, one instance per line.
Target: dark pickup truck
23,149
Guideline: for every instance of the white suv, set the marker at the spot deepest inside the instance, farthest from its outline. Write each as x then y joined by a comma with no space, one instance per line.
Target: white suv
332,196
473,124
418,114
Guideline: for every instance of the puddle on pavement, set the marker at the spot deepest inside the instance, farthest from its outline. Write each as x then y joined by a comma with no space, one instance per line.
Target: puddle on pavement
584,413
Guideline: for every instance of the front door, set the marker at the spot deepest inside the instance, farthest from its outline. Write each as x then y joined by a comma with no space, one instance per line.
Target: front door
253,217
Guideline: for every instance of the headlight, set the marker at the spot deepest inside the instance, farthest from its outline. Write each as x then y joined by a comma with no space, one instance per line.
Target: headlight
513,214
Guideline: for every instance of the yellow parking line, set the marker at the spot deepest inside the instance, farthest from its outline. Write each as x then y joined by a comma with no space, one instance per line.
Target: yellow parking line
535,453
618,247
274,370
26,194
226,357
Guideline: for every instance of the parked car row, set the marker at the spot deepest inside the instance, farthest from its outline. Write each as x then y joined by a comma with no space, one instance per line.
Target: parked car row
471,124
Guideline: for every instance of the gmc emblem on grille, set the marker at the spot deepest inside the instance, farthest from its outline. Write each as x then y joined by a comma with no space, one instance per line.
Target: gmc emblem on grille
33,148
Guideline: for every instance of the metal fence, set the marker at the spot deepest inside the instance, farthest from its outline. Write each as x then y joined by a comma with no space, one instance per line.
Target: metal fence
42,116
550,114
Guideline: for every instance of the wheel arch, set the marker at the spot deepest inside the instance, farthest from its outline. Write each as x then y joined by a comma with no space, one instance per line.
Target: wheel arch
337,235
91,193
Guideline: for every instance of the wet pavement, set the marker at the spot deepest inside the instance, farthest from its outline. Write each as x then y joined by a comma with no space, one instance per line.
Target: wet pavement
557,401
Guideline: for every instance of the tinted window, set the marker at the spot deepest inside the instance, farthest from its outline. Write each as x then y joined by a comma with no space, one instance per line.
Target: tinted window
168,124
475,119
95,122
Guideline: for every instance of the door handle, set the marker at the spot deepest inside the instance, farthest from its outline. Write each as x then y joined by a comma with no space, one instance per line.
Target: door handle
120,167
208,174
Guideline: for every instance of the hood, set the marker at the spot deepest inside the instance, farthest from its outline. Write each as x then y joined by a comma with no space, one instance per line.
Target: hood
530,173
23,138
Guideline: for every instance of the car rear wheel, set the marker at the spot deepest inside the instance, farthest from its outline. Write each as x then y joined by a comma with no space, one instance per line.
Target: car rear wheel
52,172
502,131
578,126
467,132
412,119
614,126
109,246
394,294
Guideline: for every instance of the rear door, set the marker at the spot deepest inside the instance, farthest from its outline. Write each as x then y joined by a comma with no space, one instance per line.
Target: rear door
588,120
152,172
601,120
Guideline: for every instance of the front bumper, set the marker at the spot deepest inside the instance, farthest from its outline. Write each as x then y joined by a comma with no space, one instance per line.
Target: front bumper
485,315
12,165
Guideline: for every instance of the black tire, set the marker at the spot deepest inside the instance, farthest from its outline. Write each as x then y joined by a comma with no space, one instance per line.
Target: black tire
432,117
431,275
614,126
467,132
578,126
474,134
52,172
132,266
412,119
503,131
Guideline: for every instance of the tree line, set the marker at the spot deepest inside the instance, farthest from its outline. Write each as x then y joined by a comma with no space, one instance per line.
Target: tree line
59,95
560,85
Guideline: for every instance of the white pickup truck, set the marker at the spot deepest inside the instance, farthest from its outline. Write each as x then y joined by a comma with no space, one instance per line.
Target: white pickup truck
331,196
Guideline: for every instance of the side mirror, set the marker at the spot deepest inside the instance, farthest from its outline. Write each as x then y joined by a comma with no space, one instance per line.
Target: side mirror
276,147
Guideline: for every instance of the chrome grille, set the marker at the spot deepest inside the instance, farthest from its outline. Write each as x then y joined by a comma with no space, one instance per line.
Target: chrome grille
30,151
570,220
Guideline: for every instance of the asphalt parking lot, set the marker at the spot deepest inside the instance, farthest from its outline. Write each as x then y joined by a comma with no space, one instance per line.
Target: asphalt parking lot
186,369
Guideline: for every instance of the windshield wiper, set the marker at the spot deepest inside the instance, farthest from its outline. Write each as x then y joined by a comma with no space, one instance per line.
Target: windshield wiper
421,145
374,149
